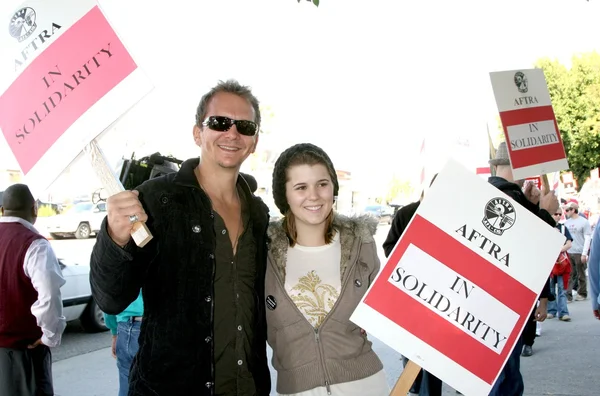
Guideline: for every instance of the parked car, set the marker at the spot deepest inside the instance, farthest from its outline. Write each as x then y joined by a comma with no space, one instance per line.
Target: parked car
77,297
82,220
383,212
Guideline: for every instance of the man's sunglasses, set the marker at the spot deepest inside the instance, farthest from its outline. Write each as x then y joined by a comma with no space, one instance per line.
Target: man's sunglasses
223,124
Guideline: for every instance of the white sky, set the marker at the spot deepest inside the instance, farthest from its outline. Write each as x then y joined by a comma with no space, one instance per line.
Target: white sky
364,79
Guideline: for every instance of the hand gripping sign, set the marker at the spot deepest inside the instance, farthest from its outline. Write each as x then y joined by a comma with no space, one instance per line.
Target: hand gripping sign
460,284
65,77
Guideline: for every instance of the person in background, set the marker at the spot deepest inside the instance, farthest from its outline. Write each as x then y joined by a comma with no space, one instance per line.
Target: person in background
320,265
581,231
559,279
31,310
125,330
594,272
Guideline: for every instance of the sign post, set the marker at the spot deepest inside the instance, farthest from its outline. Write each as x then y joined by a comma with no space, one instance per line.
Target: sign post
465,279
66,79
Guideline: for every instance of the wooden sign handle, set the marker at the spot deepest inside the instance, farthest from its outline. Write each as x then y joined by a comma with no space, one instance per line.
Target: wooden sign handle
545,184
406,380
140,232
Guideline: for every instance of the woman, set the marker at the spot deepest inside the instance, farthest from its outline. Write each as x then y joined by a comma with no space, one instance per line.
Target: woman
320,265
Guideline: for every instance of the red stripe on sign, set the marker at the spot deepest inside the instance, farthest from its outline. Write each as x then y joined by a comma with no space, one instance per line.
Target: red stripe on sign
435,330
534,155
483,171
61,84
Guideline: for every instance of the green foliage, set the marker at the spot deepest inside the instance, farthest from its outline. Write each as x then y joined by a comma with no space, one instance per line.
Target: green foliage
575,97
46,211
399,190
315,2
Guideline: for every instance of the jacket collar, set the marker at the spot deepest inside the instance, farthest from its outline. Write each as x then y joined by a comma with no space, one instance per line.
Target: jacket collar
186,177
23,222
352,231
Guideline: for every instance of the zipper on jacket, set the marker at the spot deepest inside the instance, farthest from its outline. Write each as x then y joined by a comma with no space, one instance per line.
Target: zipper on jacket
321,353
317,338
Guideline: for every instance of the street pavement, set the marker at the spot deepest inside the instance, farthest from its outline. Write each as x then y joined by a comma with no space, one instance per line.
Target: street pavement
565,361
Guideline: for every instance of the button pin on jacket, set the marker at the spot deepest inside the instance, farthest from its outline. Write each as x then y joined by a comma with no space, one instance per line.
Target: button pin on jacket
271,302
357,283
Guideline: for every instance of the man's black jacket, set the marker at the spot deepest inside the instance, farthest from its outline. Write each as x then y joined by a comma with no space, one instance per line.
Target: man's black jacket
176,273
515,192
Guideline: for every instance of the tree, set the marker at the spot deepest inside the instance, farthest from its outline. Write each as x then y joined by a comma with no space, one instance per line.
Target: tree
315,2
575,95
399,190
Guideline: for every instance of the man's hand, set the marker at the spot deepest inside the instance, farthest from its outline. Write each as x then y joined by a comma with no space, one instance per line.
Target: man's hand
35,344
549,202
120,207
584,259
113,347
596,314
532,193
541,312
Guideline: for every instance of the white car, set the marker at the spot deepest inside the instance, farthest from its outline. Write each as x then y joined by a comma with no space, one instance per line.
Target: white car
77,297
81,221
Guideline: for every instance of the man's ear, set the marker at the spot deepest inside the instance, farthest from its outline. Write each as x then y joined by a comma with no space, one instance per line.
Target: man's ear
197,132
255,142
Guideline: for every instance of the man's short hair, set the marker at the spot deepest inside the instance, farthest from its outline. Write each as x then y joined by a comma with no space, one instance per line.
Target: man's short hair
17,198
229,86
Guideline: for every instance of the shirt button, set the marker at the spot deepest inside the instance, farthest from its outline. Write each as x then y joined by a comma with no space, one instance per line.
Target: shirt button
358,283
209,384
208,299
208,339
196,229
239,328
224,232
240,362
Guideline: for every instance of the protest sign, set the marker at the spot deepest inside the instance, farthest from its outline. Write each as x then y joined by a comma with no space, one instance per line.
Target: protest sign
533,139
461,282
66,77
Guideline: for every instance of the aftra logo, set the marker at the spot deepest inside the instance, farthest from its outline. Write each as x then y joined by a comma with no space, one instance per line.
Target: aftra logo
499,216
22,24
521,82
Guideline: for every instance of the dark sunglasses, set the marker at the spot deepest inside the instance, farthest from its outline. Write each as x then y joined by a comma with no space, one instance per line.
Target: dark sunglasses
223,124
557,214
568,209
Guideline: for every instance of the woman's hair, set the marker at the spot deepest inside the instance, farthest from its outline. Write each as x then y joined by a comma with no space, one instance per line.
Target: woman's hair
289,220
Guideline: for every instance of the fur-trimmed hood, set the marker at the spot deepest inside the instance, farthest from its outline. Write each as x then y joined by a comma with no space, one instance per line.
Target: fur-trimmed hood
351,229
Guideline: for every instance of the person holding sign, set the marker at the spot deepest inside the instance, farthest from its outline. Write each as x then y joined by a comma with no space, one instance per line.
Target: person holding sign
203,330
320,265
510,381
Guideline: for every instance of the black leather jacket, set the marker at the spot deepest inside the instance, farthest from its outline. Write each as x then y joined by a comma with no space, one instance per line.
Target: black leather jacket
176,273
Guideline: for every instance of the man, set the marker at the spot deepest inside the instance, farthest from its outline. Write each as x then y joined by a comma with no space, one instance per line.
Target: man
125,330
594,271
202,275
31,312
581,231
426,384
510,381
560,275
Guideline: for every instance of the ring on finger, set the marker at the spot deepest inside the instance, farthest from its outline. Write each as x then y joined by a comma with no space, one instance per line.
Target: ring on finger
133,219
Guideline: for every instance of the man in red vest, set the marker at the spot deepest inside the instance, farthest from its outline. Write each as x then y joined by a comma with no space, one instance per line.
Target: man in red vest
31,313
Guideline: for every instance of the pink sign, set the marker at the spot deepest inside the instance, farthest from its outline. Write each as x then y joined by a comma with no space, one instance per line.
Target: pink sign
60,85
